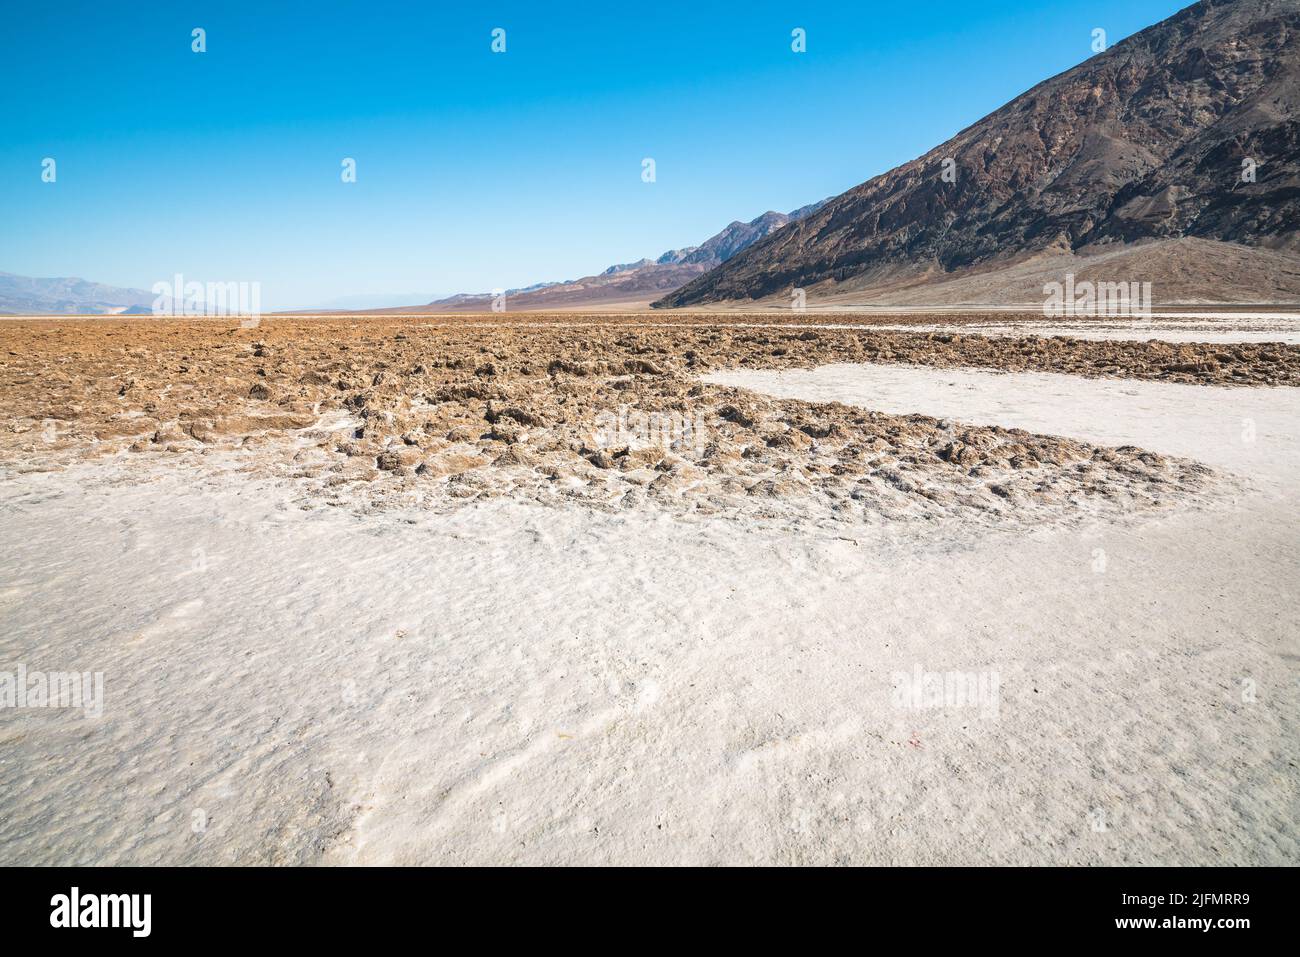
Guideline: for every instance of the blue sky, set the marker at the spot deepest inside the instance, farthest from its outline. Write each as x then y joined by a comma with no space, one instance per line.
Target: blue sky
474,170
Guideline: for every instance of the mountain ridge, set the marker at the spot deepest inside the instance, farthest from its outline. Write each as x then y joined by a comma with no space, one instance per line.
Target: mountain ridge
634,282
1143,142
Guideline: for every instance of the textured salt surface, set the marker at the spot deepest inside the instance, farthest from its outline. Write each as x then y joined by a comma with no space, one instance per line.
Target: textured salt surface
510,682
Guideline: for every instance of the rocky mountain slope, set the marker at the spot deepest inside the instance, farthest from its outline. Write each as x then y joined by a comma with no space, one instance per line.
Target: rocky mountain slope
1188,129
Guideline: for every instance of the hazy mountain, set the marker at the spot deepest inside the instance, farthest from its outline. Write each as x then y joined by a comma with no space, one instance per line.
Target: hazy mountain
637,282
1150,143
23,295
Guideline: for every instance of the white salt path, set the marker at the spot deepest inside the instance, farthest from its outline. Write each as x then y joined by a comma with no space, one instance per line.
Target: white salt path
1223,328
1167,331
511,683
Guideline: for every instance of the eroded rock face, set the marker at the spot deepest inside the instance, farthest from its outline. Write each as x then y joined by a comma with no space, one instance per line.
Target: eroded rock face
1148,140
608,413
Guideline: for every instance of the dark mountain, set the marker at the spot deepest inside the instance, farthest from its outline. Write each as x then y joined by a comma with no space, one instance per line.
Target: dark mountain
1145,143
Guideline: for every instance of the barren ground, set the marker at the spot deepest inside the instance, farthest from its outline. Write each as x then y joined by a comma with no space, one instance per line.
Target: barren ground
533,589
395,411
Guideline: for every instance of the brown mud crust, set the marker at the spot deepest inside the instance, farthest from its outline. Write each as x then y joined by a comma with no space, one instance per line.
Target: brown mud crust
766,340
433,414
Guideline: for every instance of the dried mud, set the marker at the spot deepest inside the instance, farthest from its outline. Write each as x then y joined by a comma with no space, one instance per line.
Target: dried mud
403,412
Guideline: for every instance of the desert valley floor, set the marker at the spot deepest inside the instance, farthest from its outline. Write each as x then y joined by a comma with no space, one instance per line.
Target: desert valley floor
652,589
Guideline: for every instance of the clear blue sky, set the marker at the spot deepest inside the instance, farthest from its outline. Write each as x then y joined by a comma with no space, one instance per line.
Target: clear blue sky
474,169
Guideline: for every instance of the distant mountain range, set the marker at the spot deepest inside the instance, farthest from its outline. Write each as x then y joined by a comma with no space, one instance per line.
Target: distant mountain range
23,295
626,284
1179,146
